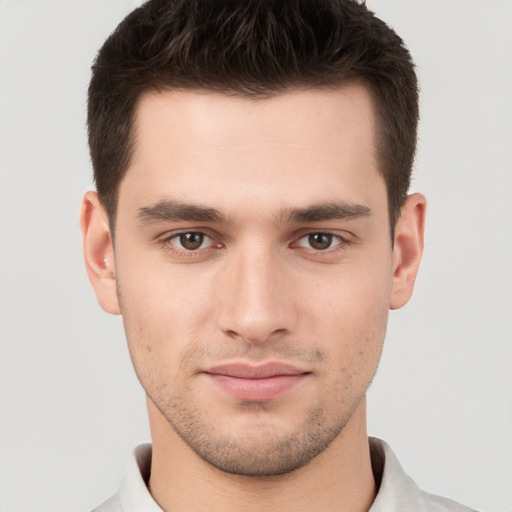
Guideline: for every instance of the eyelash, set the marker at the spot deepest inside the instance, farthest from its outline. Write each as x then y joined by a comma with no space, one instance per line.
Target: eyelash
340,244
189,253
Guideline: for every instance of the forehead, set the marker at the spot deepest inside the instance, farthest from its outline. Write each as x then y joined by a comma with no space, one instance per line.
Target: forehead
300,146
313,117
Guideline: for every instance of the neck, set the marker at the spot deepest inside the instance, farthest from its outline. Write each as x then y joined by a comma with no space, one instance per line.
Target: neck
338,479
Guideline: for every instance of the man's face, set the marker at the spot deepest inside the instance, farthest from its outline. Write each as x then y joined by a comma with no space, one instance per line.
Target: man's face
254,269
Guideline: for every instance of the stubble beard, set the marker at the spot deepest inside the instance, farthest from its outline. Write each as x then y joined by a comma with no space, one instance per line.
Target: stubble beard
262,450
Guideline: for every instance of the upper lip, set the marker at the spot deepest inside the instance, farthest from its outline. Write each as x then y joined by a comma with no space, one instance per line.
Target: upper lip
251,371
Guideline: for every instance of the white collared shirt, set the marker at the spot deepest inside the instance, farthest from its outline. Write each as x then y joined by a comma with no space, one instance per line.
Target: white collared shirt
397,491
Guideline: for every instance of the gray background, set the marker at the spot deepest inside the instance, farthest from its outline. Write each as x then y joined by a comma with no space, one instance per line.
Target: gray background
70,406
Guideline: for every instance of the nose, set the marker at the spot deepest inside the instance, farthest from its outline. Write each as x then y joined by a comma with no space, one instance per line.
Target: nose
255,297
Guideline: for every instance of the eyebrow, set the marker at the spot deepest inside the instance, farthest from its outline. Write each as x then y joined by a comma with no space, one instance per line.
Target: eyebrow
172,211
328,211
179,211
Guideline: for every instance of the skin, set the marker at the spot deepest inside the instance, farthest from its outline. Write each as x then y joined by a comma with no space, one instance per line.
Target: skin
288,259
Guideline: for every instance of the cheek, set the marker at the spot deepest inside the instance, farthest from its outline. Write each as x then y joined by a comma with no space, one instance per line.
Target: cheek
354,295
163,314
349,312
162,295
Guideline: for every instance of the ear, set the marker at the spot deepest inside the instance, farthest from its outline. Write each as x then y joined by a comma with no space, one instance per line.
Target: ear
408,248
99,252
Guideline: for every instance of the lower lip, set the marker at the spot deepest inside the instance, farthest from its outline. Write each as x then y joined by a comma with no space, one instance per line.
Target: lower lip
256,390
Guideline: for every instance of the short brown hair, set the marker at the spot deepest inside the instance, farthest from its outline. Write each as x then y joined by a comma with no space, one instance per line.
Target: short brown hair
252,48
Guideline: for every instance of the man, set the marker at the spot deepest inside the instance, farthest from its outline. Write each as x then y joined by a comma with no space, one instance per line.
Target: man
252,226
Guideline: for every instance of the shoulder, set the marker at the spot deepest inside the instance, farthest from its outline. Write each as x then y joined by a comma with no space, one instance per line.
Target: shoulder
433,503
111,505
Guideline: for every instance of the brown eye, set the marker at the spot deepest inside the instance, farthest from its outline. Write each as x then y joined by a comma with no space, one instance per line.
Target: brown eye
191,241
320,241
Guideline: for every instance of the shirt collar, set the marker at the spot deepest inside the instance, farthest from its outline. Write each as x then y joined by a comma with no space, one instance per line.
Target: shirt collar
133,493
397,491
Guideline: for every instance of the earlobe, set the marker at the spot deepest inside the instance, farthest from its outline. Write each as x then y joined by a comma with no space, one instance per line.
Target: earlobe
99,252
408,249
